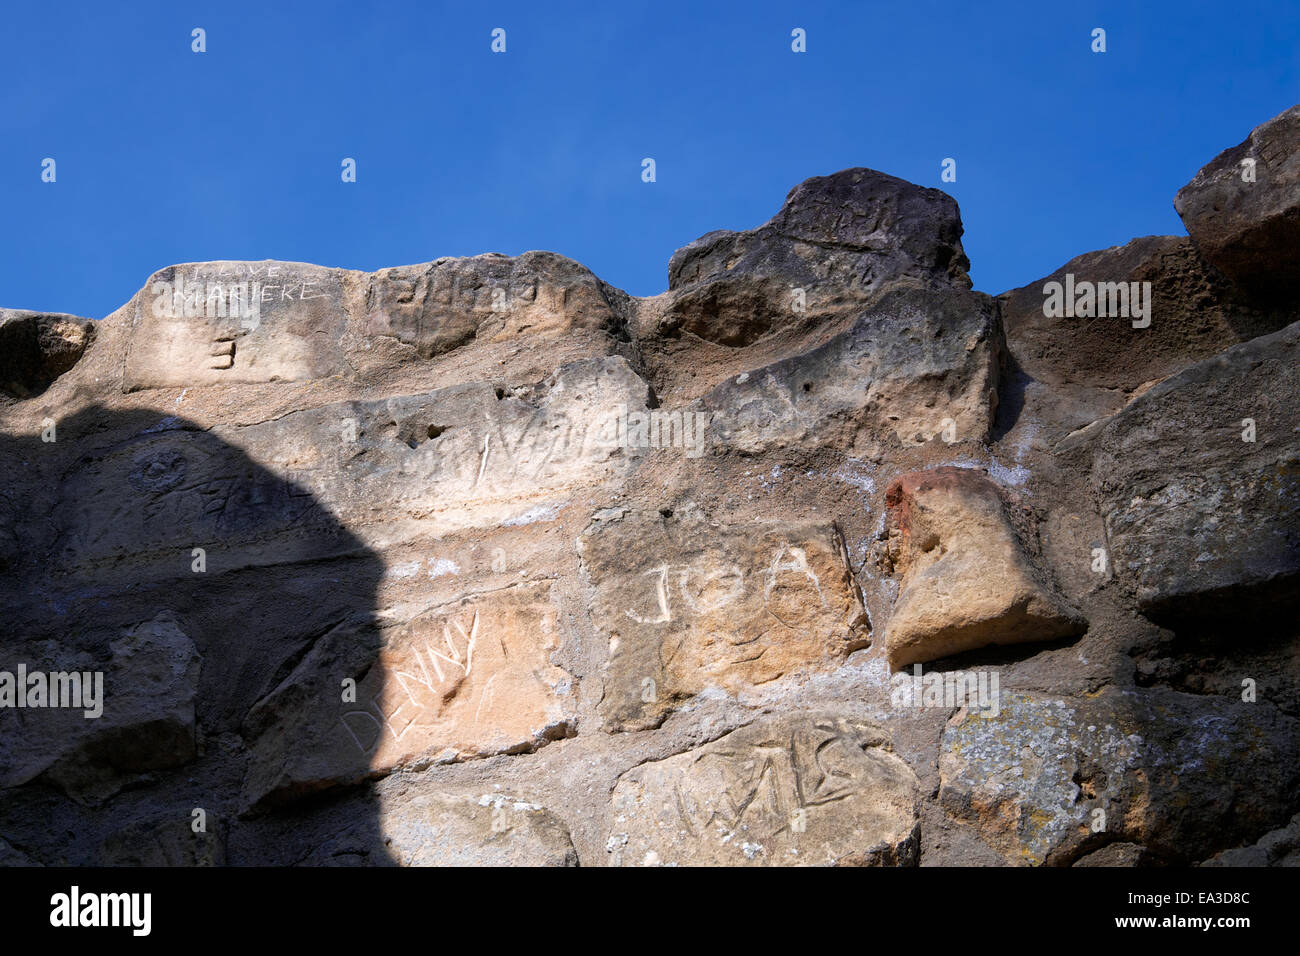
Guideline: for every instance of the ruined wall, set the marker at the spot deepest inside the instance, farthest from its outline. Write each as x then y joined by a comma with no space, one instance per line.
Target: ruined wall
818,557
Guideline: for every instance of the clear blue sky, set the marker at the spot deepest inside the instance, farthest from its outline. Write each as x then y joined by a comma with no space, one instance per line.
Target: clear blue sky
164,155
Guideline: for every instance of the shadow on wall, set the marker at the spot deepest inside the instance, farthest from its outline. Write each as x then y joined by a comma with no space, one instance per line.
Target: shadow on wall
224,607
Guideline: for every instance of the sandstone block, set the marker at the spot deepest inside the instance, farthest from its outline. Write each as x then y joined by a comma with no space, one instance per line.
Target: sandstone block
685,607
1248,226
966,579
467,680
800,789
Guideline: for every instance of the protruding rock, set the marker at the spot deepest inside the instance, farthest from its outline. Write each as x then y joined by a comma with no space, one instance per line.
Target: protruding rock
1194,313
1117,855
967,581
1280,847
1198,481
442,305
739,300
215,323
916,364
252,323
1243,209
36,348
801,789
857,228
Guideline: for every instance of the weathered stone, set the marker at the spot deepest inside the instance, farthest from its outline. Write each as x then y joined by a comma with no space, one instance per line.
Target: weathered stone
967,581
801,789
1048,779
457,457
491,830
915,364
686,606
1118,855
858,228
134,516
1194,314
281,323
164,841
442,305
1198,660
465,456
1243,209
36,348
379,541
286,325
137,507
1202,510
11,856
730,311
145,720
738,301
468,680
1280,847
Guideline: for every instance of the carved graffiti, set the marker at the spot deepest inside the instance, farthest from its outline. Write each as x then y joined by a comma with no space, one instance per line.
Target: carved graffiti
424,676
749,609
802,788
477,679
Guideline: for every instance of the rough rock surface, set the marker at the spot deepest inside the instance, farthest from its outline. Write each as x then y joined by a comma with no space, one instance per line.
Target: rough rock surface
1198,482
491,830
36,348
686,606
1052,779
167,841
914,364
152,678
806,789
856,229
1280,847
966,581
1243,209
483,561
747,299
1195,313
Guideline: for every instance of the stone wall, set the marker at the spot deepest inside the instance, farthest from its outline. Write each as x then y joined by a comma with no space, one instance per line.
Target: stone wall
819,557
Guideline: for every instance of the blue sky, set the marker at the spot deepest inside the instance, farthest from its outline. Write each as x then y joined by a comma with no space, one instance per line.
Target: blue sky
164,155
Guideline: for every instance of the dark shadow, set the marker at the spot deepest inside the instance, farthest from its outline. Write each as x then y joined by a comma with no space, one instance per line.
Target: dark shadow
1013,381
1196,660
36,348
998,656
223,675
